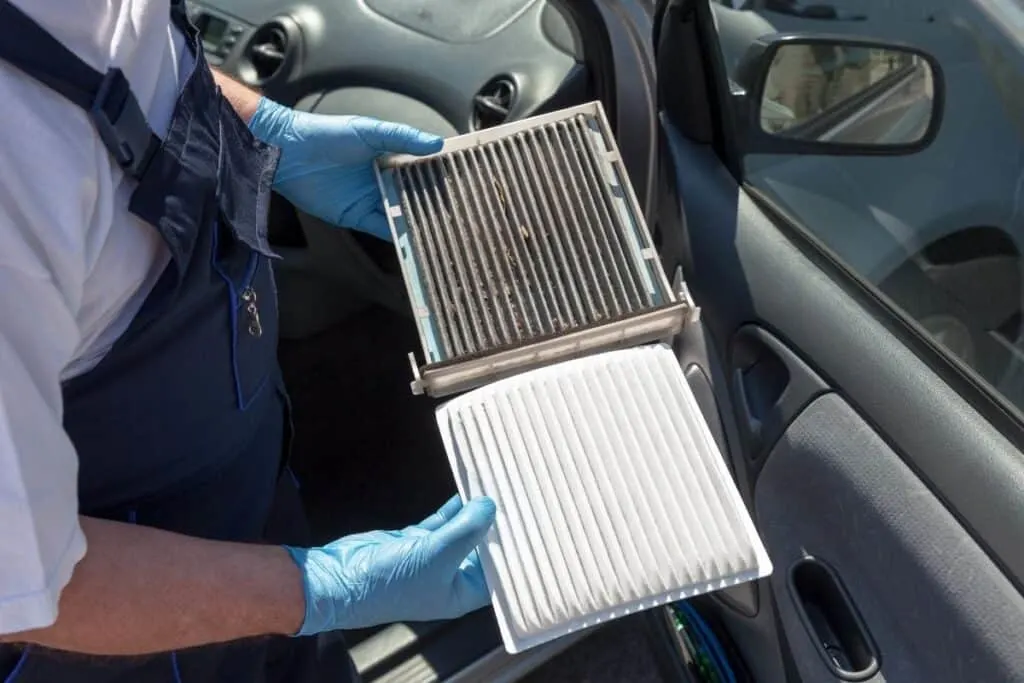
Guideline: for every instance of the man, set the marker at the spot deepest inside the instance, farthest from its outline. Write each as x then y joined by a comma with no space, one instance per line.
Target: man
142,413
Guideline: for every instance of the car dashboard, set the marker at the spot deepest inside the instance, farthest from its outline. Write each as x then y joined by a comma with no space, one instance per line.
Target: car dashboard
446,66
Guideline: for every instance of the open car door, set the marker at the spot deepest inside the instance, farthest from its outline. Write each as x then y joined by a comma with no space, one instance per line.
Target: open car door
882,465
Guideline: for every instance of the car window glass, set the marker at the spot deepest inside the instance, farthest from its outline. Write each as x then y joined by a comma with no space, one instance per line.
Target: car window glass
939,231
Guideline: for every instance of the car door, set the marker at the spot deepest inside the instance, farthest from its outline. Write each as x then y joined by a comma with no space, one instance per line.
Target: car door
884,470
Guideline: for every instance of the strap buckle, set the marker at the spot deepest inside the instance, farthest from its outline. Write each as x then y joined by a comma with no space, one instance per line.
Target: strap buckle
121,124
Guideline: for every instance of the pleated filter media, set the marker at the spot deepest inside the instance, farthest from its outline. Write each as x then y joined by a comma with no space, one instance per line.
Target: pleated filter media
523,245
612,495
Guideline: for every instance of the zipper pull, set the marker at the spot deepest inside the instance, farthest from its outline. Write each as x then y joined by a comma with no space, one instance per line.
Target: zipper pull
249,299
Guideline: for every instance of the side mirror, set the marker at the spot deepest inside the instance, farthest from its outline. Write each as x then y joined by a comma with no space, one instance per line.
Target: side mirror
818,94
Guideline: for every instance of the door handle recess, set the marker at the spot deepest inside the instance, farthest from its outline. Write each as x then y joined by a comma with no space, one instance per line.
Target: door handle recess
771,386
832,621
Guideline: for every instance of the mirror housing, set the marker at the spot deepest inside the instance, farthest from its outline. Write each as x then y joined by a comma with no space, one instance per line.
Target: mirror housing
891,105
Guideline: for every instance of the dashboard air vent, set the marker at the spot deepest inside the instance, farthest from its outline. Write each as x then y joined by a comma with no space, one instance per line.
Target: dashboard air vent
493,104
267,51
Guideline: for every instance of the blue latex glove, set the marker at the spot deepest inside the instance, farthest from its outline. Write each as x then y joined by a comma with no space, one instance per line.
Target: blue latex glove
326,166
424,572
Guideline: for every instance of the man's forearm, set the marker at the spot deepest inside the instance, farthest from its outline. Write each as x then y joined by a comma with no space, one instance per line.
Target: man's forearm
243,100
140,590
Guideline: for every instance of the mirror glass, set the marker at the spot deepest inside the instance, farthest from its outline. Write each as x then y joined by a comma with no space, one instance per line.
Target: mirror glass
848,94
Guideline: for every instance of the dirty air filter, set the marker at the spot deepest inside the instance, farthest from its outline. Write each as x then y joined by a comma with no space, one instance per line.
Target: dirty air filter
523,245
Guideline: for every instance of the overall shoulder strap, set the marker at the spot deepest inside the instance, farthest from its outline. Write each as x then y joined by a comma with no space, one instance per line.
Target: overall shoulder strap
106,97
179,15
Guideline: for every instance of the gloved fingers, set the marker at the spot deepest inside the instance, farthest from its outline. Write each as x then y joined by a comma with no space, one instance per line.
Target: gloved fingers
395,138
375,224
445,513
471,565
469,590
365,214
454,540
364,538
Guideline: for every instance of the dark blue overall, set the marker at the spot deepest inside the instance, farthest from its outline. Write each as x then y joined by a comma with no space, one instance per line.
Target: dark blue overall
184,424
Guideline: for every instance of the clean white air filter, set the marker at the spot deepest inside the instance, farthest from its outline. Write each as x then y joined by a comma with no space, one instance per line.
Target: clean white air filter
612,495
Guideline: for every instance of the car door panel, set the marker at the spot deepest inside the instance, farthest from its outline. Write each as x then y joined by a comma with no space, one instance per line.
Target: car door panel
936,605
883,466
746,267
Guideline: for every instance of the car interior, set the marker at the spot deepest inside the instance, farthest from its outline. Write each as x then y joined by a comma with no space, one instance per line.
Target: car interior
884,475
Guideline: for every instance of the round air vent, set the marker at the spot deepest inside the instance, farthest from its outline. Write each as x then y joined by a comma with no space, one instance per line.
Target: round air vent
268,51
494,102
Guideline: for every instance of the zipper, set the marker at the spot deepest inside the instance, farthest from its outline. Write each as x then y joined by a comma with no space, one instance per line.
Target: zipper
250,302
252,311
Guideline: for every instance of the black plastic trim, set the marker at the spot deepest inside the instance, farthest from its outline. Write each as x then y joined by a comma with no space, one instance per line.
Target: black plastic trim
761,424
849,626
700,104
616,36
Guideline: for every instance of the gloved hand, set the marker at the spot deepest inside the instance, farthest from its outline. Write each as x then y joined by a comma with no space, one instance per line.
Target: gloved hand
424,572
326,166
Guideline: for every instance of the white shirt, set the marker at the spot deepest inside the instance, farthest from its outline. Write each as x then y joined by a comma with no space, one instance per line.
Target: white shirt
75,267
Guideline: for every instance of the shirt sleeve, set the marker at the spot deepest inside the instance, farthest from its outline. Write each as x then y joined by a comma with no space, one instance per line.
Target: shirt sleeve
48,200
40,538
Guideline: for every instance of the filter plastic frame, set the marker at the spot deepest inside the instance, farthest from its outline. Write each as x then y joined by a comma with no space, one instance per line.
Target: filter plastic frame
440,375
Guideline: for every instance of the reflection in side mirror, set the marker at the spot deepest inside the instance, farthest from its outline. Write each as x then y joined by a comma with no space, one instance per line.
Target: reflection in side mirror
852,94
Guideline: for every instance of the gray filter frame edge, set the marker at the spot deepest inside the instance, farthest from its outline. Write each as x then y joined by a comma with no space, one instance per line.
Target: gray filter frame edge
523,245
